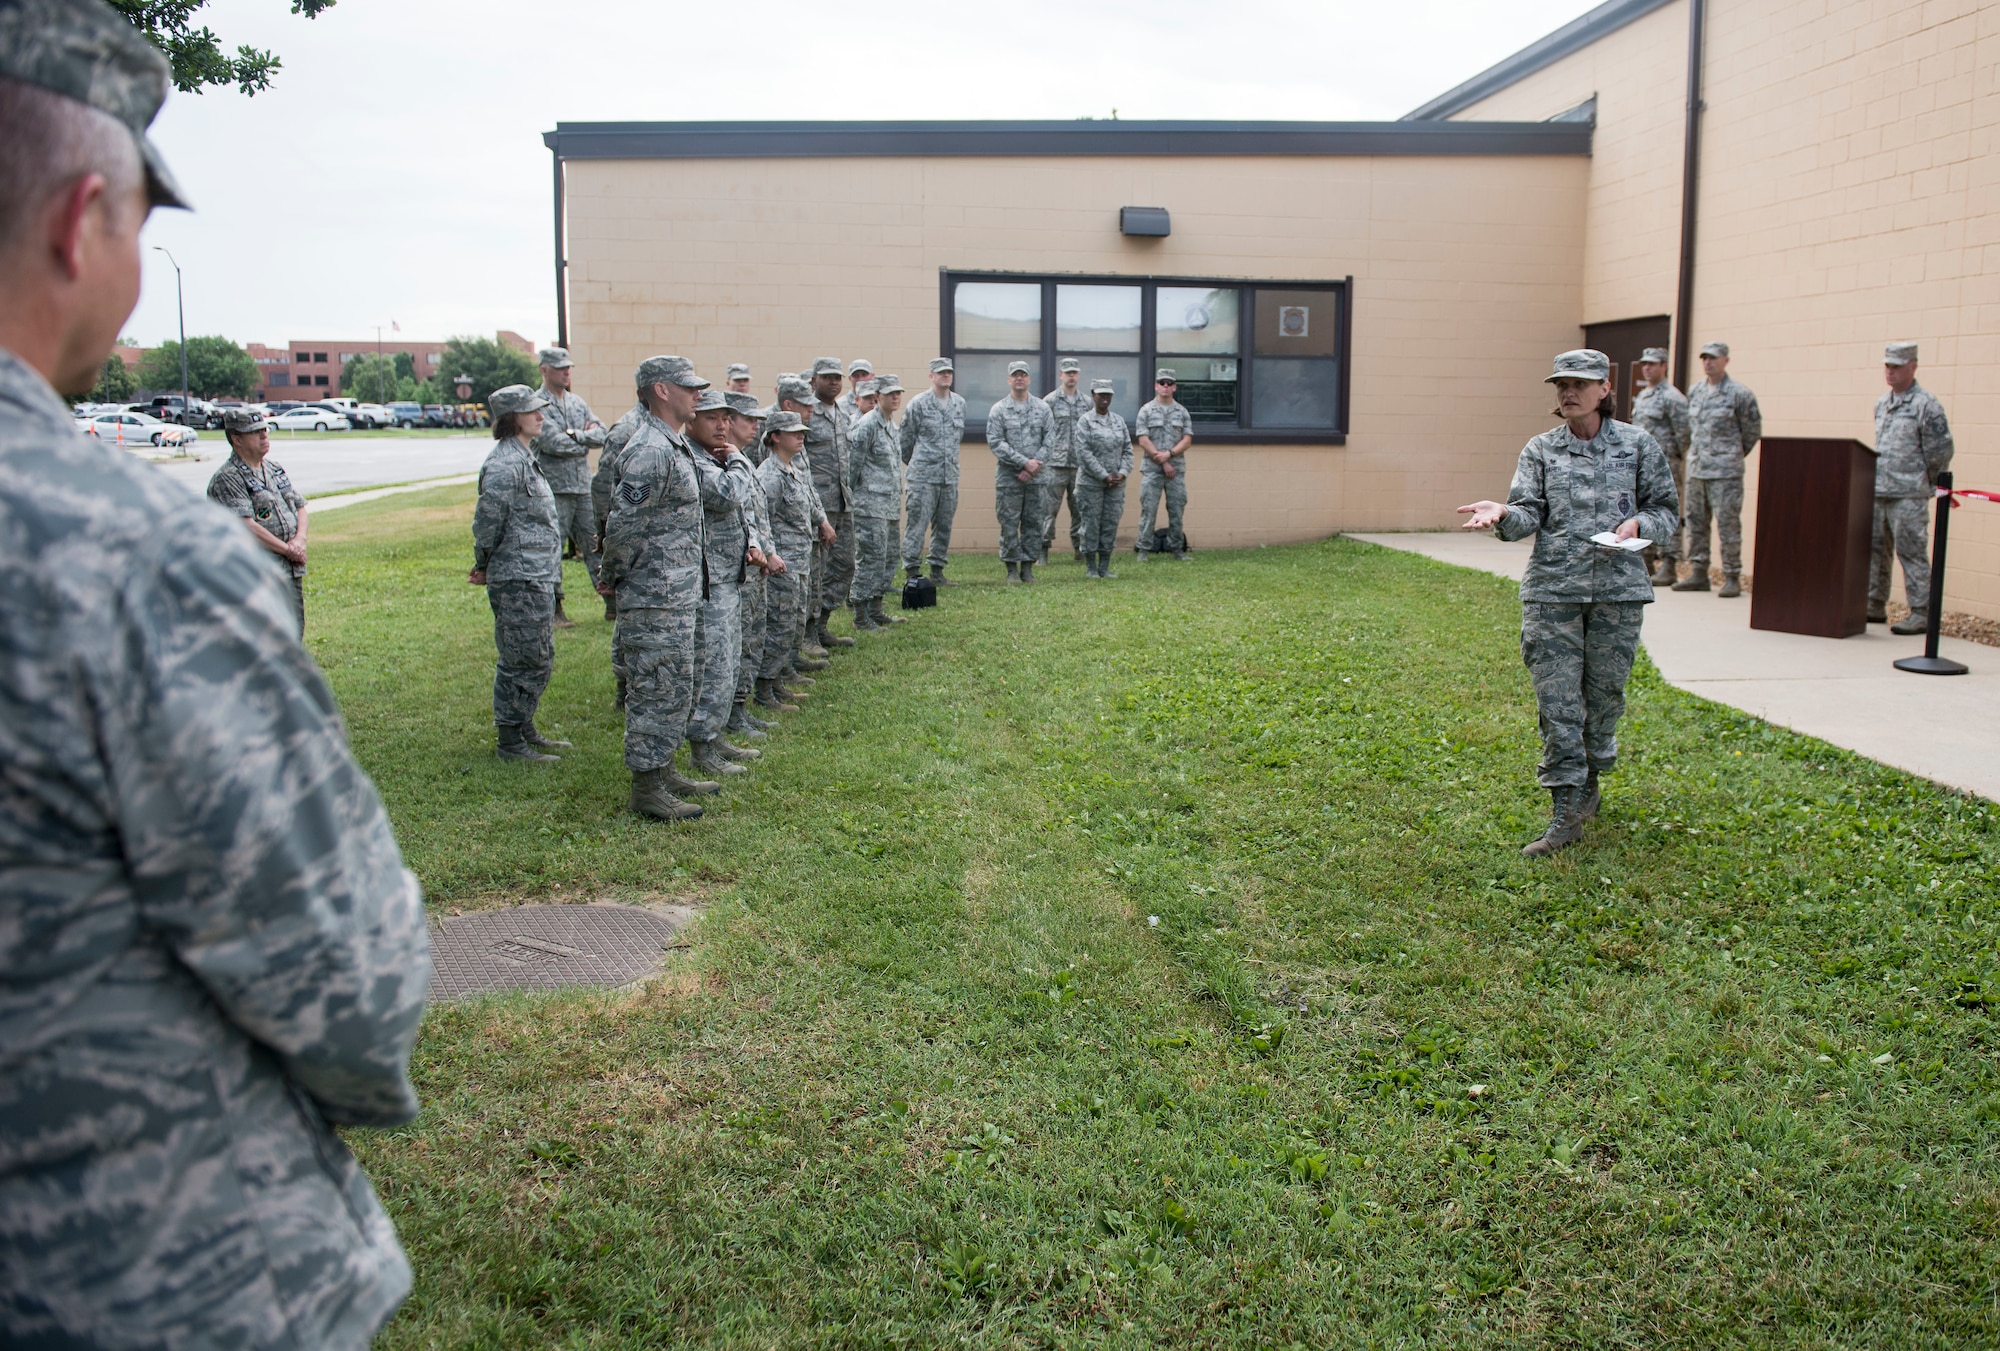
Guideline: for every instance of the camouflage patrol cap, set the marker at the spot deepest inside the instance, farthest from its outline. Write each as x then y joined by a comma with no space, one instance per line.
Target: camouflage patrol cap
1715,349
1582,364
796,388
940,364
826,366
887,384
667,370
85,50
555,358
1654,355
785,421
243,421
1103,387
860,366
514,399
1165,376
1018,368
743,402
1068,364
711,401
1899,354
865,389
737,371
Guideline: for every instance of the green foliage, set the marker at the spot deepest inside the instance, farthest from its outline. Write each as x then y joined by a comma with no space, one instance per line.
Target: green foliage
196,54
374,379
1721,1075
491,364
216,369
114,383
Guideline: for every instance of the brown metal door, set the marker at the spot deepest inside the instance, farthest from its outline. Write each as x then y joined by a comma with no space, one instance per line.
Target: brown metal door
1622,340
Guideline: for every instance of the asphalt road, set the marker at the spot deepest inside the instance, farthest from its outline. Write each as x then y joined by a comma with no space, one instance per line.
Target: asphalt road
319,465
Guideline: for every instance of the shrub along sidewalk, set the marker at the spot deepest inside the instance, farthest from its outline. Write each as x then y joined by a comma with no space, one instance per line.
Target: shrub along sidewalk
932,1075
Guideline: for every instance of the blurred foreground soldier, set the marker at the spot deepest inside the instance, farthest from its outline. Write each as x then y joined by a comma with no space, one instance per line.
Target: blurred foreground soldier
570,431
933,427
729,557
747,426
517,557
859,373
1163,433
875,480
1912,447
1103,462
827,432
1581,602
1059,478
1661,411
736,380
796,520
209,946
1724,426
257,489
1019,430
654,558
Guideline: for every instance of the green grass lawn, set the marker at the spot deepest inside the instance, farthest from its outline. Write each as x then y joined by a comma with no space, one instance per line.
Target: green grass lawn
931,1074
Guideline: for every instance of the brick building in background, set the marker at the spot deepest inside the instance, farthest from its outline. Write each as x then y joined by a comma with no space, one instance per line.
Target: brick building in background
309,368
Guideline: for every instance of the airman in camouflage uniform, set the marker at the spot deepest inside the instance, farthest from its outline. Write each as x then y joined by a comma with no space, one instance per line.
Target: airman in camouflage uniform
1059,477
736,380
860,373
796,520
1103,463
795,395
933,427
827,433
748,425
654,558
1019,431
1163,425
517,557
1581,603
1912,447
209,946
257,489
1725,425
570,431
730,556
875,487
1661,411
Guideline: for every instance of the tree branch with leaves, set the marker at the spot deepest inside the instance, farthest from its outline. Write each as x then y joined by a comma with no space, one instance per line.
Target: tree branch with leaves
196,54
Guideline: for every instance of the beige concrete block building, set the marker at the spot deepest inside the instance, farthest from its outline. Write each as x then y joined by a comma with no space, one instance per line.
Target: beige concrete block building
1360,313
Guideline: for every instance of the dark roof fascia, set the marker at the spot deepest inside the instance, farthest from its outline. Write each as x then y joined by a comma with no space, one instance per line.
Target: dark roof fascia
1573,36
810,140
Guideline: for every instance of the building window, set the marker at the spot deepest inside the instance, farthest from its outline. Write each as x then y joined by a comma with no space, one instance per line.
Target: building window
320,357
1255,361
319,381
301,358
281,377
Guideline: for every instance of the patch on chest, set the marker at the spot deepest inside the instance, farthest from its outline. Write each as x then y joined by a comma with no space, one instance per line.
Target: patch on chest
263,510
634,494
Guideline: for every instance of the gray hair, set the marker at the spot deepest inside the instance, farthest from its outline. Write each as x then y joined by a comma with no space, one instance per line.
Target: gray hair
52,141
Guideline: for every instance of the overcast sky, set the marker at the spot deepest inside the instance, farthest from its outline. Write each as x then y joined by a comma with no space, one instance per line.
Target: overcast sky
395,172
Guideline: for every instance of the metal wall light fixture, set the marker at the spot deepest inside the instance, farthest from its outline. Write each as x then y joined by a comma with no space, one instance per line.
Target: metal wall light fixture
1147,221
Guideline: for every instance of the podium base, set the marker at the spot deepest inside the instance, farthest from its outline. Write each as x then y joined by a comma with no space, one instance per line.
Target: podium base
1932,666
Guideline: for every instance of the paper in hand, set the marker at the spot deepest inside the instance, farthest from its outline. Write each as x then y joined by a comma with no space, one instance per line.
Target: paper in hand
1605,539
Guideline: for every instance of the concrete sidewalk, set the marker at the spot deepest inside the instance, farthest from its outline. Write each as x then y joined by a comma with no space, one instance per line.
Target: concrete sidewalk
1944,728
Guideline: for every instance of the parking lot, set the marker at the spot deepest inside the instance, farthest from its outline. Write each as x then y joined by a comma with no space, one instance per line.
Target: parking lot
320,463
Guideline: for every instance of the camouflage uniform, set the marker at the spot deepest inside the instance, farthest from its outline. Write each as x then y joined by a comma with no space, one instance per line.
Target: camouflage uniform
1103,448
755,588
875,484
1580,604
1166,424
1661,411
654,555
562,449
604,482
827,447
1060,478
1725,425
209,946
796,516
1019,430
1912,447
932,431
517,541
265,495
726,562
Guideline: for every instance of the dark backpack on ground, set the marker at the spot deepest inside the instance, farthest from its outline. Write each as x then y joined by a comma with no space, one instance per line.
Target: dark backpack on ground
919,593
1163,541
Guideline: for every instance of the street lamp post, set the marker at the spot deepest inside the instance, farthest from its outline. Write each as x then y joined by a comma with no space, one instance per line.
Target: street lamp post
180,303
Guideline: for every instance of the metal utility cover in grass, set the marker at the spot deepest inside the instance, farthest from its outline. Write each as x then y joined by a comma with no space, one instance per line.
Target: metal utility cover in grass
547,947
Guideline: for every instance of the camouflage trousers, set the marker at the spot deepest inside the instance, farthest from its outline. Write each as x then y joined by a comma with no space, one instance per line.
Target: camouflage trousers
833,565
718,650
577,523
659,648
1102,508
751,621
524,637
1902,532
299,600
1019,506
1579,658
785,596
1059,486
1673,550
874,558
1719,500
1154,485
928,506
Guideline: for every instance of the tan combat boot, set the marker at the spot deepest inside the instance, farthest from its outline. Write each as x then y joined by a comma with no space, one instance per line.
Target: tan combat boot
651,798
1565,823
708,758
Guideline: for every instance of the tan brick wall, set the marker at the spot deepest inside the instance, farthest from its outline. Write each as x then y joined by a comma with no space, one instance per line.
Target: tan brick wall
1850,196
1466,280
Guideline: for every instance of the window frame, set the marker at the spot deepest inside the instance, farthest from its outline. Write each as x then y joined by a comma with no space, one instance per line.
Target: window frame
1149,356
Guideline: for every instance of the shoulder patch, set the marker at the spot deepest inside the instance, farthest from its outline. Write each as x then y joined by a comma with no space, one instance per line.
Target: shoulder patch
634,494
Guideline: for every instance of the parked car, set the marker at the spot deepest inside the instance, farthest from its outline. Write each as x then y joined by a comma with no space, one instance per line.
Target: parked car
310,418
197,413
370,415
436,415
126,427
406,414
346,408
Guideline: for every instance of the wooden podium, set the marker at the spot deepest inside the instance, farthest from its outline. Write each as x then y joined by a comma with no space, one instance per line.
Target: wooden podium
1815,508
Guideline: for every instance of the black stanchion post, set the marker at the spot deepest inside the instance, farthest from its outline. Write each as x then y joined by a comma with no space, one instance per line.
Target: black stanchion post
1931,663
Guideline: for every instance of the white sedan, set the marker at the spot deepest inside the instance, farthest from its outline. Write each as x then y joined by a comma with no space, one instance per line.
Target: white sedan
310,419
128,428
